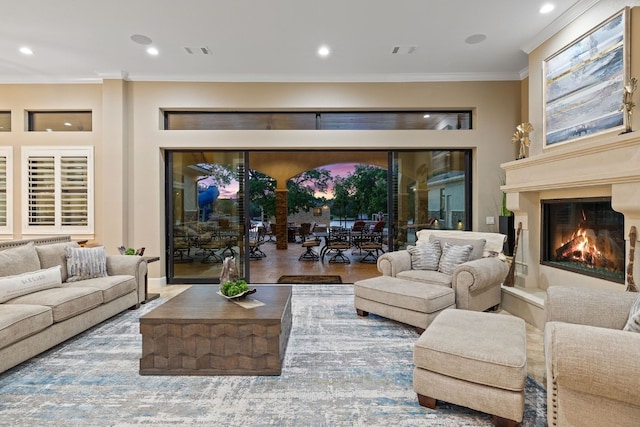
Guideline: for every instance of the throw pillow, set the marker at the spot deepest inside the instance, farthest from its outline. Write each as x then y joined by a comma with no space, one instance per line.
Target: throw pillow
425,256
27,283
633,324
53,254
85,263
18,260
453,256
477,244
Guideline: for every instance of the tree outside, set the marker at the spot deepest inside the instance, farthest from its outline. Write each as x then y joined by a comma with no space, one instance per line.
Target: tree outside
360,194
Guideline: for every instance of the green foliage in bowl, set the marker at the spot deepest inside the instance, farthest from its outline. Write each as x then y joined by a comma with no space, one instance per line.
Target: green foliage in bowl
232,289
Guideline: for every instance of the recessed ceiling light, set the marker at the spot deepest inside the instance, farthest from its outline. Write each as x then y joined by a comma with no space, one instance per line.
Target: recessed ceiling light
426,116
323,51
475,39
546,8
26,50
67,124
152,51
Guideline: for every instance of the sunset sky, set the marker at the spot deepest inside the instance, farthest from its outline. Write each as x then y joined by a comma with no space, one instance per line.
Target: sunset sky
339,169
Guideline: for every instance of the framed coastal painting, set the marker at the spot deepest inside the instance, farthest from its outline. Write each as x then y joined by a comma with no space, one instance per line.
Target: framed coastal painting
584,83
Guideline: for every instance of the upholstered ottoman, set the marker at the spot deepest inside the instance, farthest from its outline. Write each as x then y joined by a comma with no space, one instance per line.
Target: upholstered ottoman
473,359
406,301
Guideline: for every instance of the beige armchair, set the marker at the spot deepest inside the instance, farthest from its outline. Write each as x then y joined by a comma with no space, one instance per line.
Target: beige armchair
476,283
593,367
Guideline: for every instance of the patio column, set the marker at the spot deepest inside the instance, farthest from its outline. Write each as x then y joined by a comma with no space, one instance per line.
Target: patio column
281,218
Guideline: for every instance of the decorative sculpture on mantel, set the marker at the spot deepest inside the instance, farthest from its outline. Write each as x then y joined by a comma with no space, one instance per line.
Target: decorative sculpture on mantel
627,102
521,136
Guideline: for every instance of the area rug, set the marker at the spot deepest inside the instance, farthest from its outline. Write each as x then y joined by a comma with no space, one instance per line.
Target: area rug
310,279
339,370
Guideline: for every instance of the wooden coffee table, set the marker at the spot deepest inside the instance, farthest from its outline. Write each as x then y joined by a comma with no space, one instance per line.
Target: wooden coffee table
199,332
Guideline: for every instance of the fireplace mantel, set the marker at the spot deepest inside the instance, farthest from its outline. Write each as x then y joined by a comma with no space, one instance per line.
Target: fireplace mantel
599,166
602,161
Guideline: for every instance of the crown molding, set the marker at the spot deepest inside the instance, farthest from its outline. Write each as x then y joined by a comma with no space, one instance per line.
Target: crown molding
559,23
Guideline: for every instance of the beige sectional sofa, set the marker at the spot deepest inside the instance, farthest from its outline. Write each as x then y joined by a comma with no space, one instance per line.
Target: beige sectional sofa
33,322
476,283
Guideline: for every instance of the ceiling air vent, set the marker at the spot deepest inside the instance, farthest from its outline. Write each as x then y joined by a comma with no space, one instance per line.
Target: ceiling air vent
403,50
198,50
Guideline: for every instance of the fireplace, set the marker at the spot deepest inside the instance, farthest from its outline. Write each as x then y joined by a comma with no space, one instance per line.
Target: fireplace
584,236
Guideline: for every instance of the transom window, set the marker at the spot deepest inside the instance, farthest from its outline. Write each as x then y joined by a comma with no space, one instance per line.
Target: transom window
59,121
354,120
5,121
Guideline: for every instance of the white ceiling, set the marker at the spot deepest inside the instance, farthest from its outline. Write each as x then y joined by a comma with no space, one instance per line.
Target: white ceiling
274,40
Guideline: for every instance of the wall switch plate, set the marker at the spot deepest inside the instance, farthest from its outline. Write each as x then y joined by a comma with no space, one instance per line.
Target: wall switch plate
491,220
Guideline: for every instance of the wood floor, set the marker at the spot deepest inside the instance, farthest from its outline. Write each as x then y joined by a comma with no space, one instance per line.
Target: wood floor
280,262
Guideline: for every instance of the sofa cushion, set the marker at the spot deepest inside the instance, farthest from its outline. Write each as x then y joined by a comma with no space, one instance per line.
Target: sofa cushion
633,324
86,263
26,283
18,321
453,256
112,287
425,256
477,244
426,276
21,259
64,302
54,254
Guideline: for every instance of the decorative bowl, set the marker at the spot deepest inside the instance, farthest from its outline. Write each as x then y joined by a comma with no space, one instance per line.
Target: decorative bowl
240,295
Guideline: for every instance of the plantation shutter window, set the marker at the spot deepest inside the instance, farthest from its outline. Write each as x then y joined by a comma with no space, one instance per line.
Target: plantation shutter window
6,226
59,190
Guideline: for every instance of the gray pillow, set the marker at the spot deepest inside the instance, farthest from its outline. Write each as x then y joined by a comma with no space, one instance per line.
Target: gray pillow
85,263
633,324
21,259
425,256
477,244
453,256
54,254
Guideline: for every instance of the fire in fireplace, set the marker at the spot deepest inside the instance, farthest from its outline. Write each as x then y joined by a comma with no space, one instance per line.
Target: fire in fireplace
584,236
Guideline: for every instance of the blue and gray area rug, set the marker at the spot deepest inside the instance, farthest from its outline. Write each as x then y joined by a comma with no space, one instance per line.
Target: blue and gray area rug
340,370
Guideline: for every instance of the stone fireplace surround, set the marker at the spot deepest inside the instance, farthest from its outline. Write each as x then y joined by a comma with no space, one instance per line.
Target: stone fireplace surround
600,166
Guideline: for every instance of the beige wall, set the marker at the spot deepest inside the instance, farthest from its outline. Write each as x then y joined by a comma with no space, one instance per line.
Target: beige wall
22,98
496,108
130,142
590,19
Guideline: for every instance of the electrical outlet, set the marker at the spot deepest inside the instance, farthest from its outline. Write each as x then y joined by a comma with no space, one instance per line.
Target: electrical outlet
491,220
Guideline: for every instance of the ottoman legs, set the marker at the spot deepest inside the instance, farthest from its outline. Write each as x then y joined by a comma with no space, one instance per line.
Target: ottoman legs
430,402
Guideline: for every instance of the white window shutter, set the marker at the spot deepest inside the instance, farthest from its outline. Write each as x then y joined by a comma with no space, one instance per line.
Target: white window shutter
74,187
58,194
6,187
41,191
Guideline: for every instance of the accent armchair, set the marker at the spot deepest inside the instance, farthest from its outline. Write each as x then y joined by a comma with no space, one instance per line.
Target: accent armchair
592,365
476,283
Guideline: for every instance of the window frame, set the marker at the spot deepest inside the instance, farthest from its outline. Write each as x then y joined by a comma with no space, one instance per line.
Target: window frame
58,153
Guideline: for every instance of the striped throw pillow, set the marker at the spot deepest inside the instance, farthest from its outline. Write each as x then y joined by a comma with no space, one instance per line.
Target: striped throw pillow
453,256
633,324
85,263
425,256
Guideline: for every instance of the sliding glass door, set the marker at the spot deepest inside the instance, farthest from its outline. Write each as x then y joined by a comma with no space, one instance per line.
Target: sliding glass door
205,214
431,189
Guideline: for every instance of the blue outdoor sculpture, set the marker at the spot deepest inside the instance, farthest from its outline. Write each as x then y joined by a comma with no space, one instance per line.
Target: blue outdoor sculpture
206,197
